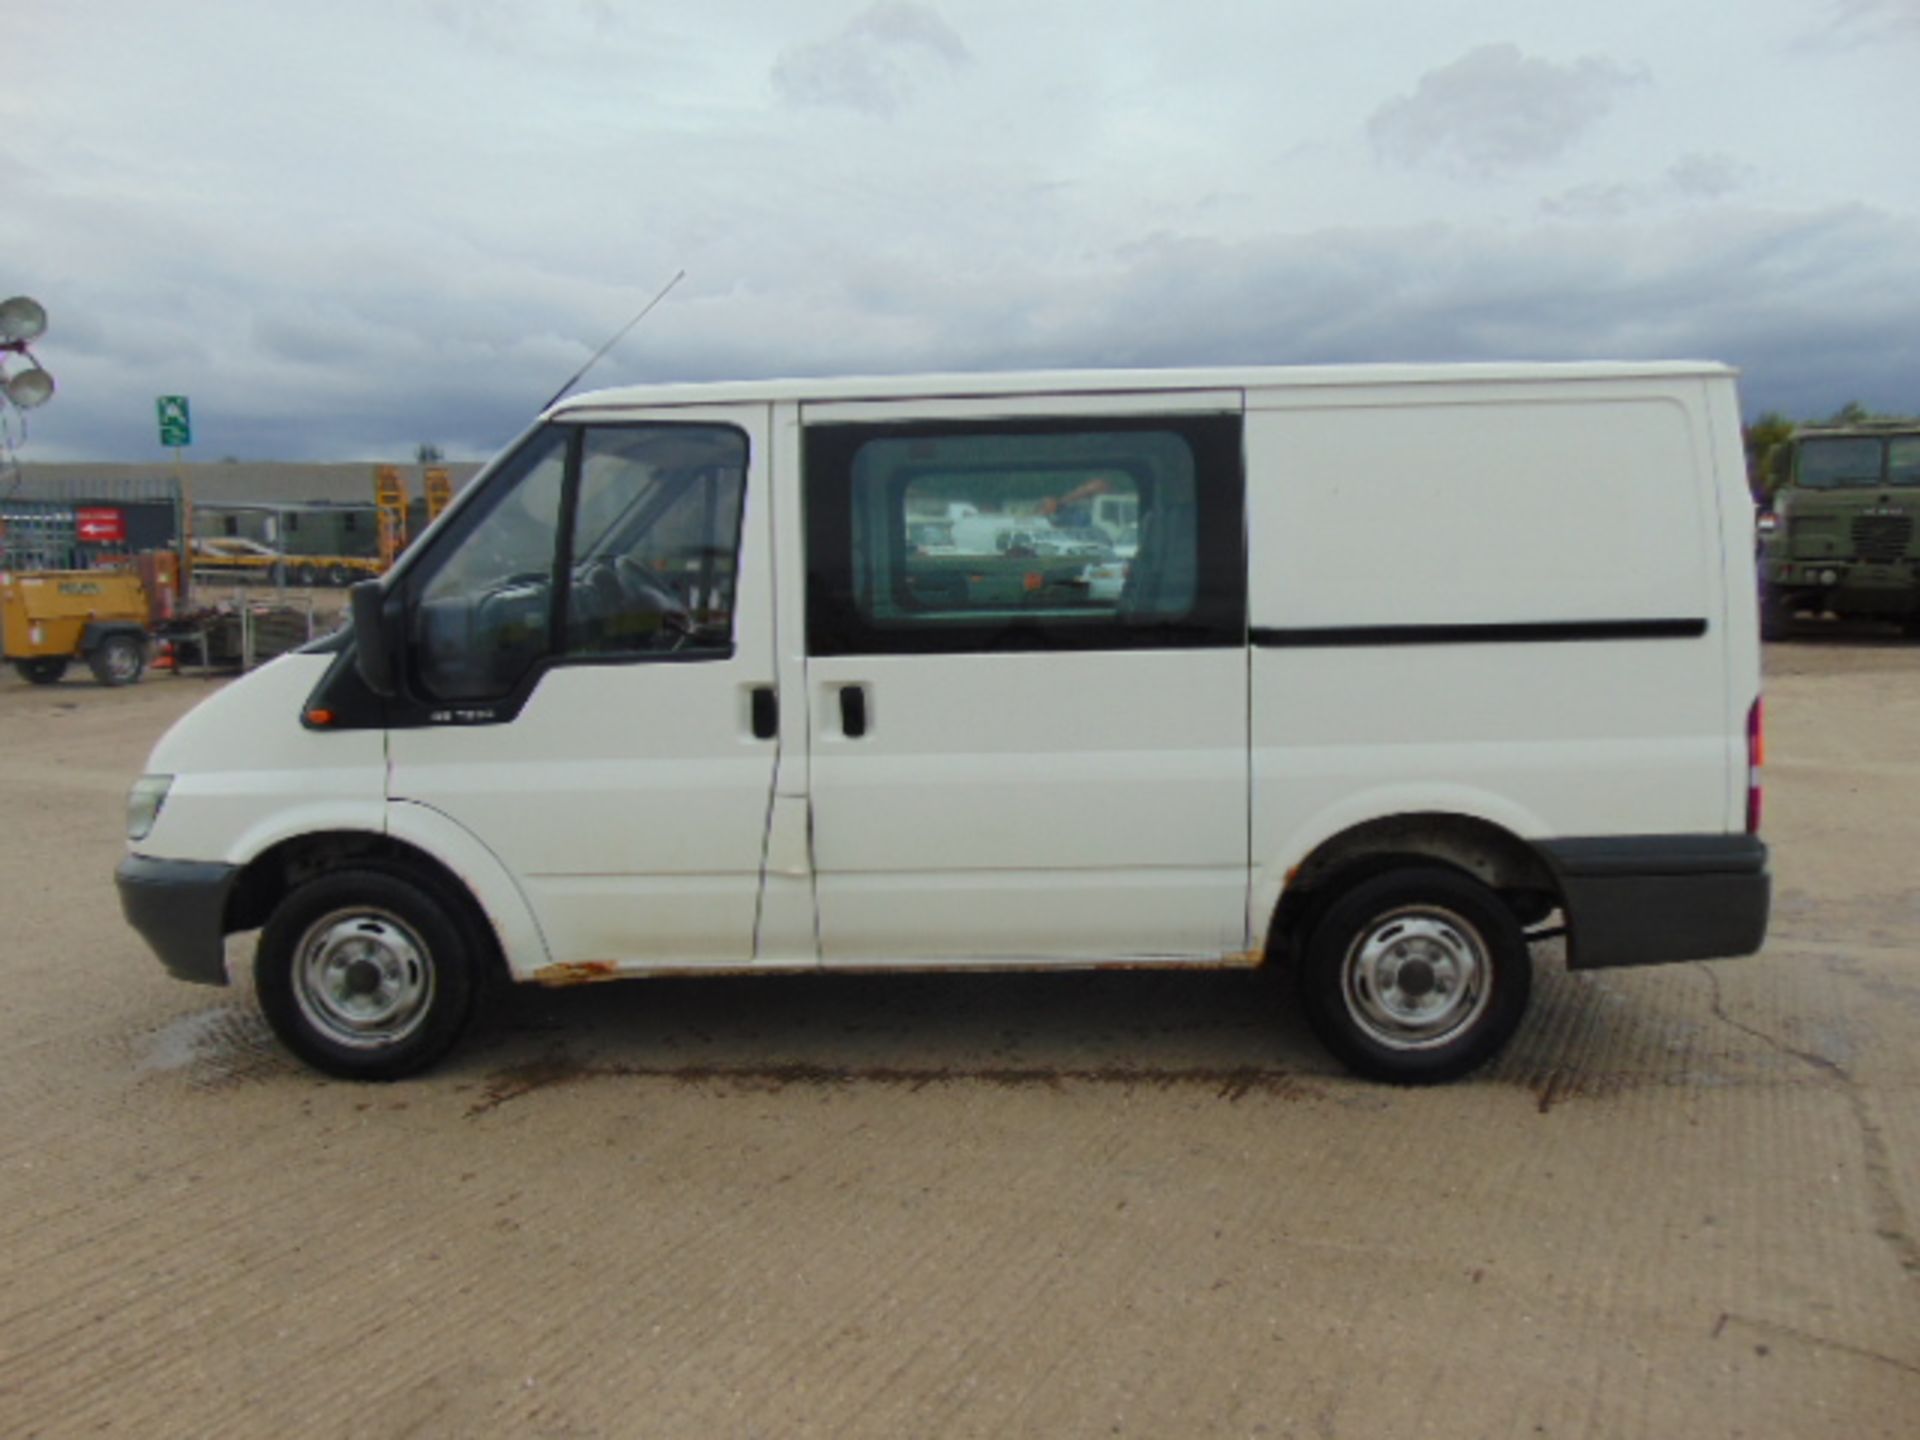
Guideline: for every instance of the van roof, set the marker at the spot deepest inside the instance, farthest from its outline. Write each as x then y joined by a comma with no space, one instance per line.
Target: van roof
1095,382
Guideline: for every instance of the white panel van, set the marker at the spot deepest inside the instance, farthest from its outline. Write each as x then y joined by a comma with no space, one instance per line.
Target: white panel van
1397,671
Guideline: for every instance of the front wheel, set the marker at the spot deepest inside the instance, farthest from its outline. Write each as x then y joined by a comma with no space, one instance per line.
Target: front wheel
1415,976
366,975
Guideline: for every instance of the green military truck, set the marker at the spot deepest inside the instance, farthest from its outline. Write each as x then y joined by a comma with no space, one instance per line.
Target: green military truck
1839,534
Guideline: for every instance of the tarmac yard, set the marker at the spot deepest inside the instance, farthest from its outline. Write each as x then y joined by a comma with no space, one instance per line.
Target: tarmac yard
1685,1203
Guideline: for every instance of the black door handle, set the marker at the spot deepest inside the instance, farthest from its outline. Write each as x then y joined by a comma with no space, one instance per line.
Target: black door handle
766,713
853,711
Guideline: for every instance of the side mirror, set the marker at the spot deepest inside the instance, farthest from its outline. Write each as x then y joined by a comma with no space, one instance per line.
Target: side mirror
375,651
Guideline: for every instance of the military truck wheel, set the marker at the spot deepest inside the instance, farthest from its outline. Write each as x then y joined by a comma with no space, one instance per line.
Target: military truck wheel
306,576
118,660
46,670
340,577
1776,614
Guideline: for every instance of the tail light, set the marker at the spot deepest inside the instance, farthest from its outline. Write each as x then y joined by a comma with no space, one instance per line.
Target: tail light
1756,757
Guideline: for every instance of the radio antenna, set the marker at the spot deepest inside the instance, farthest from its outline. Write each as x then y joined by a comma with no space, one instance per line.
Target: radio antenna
594,359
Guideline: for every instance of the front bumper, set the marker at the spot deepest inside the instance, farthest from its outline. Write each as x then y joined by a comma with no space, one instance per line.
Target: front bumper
180,907
1654,899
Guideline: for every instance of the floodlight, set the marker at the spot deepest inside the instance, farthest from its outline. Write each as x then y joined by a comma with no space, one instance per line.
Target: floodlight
21,320
32,386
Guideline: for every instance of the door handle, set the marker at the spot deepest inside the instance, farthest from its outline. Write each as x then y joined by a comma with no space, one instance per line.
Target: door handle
853,711
766,713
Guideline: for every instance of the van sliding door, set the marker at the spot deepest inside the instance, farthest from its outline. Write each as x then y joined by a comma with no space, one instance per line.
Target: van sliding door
1027,680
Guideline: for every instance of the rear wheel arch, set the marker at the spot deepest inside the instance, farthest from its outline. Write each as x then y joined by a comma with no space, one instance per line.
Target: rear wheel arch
1479,849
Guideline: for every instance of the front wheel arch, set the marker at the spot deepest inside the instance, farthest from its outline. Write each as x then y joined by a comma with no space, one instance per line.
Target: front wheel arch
277,871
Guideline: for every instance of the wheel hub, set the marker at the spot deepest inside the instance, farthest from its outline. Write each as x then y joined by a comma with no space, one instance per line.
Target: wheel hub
1417,977
363,978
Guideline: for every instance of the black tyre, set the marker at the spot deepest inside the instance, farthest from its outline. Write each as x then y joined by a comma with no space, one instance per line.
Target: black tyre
118,660
306,576
42,670
1776,614
367,975
1415,976
340,577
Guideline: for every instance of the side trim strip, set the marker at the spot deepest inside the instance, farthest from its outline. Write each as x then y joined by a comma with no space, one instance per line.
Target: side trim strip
1544,632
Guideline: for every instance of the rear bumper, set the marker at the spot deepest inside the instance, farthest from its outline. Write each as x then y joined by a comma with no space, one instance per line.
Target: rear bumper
1654,899
179,907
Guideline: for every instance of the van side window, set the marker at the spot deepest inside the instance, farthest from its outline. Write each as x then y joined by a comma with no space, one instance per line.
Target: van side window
1096,534
650,519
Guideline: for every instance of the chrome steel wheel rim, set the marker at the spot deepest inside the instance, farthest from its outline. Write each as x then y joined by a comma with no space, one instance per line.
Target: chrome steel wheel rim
1417,977
362,978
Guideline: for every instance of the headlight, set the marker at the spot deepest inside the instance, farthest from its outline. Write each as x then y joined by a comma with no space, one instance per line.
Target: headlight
149,793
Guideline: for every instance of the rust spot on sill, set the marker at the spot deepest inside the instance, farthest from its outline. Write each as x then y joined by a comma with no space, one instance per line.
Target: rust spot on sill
578,972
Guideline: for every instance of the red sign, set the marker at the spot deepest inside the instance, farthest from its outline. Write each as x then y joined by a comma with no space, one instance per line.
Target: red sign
100,525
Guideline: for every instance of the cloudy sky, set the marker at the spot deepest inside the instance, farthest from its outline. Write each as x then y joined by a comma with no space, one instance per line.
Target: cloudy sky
346,229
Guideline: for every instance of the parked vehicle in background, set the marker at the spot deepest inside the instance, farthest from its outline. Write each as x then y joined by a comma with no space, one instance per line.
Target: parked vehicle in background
686,681
1840,535
231,557
50,618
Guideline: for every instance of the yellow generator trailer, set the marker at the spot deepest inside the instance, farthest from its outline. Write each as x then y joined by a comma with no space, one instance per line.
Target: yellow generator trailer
49,618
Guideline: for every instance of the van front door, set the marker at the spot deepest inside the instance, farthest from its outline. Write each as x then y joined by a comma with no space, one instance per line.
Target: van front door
588,681
1027,681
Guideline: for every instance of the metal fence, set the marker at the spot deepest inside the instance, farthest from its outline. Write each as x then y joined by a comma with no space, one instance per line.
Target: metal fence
80,524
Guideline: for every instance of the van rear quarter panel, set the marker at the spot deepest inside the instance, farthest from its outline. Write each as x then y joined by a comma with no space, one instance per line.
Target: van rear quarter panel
1483,504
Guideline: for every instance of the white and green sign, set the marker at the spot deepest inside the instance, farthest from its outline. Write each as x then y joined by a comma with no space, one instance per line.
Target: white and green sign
176,428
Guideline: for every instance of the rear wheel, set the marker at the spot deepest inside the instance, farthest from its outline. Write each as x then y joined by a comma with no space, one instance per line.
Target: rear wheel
367,975
118,660
43,670
1415,976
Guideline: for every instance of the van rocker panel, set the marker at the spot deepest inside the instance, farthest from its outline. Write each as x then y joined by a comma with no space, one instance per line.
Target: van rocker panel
1654,899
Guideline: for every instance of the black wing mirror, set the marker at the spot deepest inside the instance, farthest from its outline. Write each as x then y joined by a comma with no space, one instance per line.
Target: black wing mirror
376,651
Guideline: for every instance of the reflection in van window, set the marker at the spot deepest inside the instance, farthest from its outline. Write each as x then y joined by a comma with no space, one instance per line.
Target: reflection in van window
1094,525
656,540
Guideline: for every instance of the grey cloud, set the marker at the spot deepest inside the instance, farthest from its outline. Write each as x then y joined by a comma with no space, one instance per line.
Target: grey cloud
875,63
1869,20
1496,109
1816,308
1690,180
1596,202
1708,177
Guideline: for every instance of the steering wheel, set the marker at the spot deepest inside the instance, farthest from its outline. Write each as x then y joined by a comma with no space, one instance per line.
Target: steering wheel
645,589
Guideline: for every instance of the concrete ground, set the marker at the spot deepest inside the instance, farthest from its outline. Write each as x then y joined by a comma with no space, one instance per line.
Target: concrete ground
1683,1204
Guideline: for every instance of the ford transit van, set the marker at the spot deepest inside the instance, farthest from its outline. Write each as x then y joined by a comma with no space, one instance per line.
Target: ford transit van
1395,672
